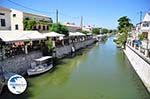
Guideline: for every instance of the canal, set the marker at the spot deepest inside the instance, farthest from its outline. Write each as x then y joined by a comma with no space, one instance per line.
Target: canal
102,72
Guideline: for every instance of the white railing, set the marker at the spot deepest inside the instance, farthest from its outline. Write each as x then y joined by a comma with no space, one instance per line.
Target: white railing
143,52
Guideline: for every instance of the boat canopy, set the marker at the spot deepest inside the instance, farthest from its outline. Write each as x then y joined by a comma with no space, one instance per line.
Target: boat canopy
43,58
13,36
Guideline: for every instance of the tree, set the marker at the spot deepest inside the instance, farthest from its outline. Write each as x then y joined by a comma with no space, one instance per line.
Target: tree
124,22
49,45
64,30
124,27
142,37
29,23
96,31
110,31
104,31
25,23
59,28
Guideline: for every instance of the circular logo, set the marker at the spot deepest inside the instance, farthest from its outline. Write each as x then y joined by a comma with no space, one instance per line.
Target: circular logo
17,84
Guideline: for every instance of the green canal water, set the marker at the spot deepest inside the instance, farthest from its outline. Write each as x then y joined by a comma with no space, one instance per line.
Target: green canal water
102,72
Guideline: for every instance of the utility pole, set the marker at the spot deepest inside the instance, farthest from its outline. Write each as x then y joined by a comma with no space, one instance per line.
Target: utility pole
81,24
57,16
141,16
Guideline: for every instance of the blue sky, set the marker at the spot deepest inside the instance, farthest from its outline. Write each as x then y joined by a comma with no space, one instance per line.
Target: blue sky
102,13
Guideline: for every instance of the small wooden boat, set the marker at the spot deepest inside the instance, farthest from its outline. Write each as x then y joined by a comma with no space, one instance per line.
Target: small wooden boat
40,66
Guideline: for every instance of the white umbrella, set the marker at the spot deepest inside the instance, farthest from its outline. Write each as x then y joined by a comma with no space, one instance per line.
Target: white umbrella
53,34
13,36
34,35
72,34
89,34
76,34
80,34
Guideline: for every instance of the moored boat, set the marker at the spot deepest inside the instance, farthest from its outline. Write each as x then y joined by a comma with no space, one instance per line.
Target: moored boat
40,66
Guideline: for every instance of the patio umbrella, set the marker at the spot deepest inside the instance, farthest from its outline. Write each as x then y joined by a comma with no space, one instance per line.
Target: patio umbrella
14,36
53,34
76,34
80,34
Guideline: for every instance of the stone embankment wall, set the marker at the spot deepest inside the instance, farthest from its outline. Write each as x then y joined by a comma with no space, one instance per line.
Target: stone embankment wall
1,86
140,65
20,63
67,49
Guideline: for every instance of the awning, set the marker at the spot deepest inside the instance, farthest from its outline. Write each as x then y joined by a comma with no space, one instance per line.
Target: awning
13,36
34,35
89,34
101,35
53,34
76,34
80,34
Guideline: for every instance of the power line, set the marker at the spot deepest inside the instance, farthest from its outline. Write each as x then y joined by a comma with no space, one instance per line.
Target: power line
40,10
35,10
28,7
68,16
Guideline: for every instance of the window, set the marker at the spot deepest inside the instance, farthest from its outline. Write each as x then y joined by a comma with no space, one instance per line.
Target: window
34,28
16,27
43,27
145,24
14,15
3,23
27,18
39,27
2,13
47,27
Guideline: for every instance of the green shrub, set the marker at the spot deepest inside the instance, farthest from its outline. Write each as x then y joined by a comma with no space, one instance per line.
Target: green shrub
49,45
141,37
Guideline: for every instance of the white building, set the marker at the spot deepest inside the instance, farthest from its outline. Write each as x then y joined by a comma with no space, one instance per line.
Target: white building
72,27
11,19
5,20
87,28
144,26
